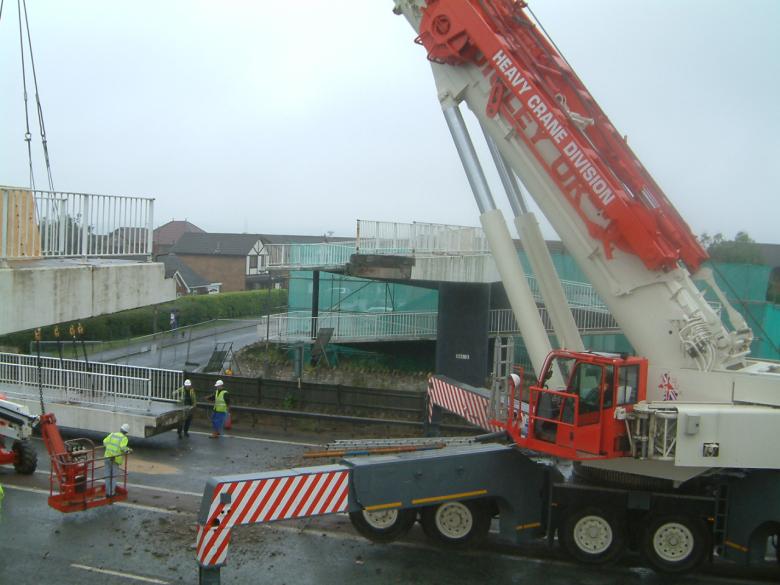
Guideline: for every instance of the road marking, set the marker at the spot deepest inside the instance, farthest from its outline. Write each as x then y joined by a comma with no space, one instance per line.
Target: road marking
260,439
119,574
146,487
122,504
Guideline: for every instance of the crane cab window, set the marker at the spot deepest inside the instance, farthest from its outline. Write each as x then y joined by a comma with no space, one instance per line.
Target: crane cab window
628,384
586,383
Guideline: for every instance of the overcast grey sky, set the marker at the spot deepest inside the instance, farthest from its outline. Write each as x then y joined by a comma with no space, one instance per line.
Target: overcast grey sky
299,117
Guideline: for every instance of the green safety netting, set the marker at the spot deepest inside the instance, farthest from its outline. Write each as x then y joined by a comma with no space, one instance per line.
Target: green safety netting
350,294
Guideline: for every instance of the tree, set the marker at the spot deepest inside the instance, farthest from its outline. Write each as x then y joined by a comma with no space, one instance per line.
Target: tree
741,250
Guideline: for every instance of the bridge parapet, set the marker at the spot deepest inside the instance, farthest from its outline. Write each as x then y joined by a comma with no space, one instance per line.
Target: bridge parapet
55,224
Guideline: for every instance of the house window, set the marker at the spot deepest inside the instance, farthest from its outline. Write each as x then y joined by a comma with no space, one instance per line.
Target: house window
253,262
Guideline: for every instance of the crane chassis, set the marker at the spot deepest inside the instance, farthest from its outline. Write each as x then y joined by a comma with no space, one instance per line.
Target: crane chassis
669,453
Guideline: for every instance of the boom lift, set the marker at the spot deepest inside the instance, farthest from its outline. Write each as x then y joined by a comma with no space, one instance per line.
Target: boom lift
664,460
77,467
16,425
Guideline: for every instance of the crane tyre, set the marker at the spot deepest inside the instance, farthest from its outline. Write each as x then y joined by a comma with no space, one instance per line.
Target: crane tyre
457,524
675,543
592,535
26,458
383,525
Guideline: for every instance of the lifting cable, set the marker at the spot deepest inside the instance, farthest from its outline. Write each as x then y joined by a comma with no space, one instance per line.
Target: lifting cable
21,6
27,135
38,106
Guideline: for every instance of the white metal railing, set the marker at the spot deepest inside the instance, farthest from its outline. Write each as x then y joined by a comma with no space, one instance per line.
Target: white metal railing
298,324
35,224
91,383
308,255
502,321
382,237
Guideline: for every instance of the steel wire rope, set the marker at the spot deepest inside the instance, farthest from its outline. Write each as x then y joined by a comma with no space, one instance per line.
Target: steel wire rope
42,126
27,135
593,113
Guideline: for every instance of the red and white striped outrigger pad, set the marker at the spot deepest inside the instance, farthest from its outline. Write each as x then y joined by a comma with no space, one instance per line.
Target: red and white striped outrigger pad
265,497
470,403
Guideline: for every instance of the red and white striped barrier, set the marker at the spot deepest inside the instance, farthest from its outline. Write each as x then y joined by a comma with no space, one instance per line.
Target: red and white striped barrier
268,497
471,406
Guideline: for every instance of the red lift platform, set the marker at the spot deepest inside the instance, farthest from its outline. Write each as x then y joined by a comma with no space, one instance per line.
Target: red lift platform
78,471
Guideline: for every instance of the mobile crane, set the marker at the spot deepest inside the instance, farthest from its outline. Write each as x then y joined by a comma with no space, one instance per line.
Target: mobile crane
673,448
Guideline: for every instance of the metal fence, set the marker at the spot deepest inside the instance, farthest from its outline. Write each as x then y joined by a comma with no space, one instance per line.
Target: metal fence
91,383
502,321
35,224
421,325
309,255
352,326
381,237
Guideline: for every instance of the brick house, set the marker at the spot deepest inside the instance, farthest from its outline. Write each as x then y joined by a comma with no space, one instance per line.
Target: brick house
224,258
166,235
188,282
238,261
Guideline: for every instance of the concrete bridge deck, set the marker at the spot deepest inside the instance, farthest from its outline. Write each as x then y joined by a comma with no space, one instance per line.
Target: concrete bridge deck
94,396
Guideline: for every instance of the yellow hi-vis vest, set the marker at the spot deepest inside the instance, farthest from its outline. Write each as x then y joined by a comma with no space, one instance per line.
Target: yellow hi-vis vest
219,401
116,445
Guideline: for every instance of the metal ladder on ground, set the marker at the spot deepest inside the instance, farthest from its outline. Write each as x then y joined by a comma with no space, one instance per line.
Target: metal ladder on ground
222,355
410,442
503,358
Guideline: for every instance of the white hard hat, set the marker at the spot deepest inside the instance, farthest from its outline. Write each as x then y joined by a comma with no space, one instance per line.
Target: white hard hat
218,383
125,428
187,383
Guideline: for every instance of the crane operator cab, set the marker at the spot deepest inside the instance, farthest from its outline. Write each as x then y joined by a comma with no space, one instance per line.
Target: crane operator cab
575,417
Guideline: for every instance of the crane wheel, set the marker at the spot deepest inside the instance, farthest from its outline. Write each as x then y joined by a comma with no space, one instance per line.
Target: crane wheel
383,525
457,524
592,535
675,543
26,460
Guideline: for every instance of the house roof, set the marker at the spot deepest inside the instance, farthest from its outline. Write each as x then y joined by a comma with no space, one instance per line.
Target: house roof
283,239
128,233
174,264
215,244
238,244
169,233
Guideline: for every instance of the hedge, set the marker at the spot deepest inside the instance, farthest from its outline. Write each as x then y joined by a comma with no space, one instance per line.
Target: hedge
146,320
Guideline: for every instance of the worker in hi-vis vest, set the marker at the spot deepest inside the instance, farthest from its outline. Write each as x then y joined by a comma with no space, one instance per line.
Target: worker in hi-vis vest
221,406
116,449
187,399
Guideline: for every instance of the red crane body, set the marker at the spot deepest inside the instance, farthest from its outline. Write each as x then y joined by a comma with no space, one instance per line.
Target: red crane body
533,88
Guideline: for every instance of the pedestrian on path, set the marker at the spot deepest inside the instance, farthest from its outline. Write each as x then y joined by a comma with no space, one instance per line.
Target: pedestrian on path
221,405
116,449
187,399
2,495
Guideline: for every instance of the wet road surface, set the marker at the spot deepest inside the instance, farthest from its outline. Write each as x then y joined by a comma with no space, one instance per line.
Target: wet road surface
150,539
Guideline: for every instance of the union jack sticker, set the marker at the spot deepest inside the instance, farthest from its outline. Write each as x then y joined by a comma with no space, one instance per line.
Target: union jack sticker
669,387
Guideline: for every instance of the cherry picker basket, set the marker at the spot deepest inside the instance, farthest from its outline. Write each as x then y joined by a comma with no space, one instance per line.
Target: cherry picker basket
80,475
